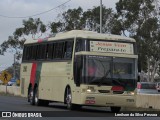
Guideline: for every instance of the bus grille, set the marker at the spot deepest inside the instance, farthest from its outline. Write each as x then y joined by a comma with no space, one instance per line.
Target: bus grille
118,92
104,91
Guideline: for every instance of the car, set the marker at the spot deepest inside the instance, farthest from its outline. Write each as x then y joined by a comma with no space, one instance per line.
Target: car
12,82
158,86
146,88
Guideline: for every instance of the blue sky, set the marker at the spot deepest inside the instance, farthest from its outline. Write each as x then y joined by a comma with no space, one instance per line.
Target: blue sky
29,7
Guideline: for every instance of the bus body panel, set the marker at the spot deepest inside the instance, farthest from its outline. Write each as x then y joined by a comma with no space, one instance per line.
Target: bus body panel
52,72
25,78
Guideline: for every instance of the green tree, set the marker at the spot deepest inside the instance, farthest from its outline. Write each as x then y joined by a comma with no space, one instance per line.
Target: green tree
137,17
15,42
70,20
90,20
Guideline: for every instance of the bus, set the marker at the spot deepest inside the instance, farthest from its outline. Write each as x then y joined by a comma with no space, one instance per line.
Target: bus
80,68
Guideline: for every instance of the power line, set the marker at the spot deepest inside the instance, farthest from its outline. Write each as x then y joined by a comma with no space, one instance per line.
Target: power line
35,14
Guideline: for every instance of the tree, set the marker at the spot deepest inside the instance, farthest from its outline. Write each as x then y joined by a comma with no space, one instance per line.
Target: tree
70,20
15,43
137,17
90,19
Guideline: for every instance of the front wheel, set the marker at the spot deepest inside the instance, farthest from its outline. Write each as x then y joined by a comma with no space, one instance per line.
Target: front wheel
115,109
69,103
69,99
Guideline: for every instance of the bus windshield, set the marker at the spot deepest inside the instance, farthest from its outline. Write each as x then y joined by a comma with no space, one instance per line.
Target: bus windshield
110,71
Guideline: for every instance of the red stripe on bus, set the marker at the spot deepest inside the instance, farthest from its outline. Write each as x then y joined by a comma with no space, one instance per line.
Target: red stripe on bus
33,74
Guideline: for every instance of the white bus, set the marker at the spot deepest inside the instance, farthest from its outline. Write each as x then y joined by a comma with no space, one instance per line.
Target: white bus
80,68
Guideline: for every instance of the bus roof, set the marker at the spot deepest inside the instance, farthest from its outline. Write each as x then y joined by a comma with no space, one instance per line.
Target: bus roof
83,34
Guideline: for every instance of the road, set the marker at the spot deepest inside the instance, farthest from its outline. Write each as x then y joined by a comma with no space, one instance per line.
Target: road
58,111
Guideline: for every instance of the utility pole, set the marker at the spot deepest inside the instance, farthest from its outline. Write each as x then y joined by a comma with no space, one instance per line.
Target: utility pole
100,16
14,66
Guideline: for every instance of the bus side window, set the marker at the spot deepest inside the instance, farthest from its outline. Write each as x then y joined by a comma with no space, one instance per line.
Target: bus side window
78,45
33,52
29,52
41,51
68,49
24,53
50,51
58,50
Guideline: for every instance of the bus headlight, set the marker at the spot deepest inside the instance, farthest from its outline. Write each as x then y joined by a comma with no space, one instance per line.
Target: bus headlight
129,92
90,89
132,93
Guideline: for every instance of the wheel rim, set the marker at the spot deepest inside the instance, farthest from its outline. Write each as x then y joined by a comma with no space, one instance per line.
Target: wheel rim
31,96
36,98
68,100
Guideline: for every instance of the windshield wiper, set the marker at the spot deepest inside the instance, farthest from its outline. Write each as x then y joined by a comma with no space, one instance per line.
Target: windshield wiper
104,77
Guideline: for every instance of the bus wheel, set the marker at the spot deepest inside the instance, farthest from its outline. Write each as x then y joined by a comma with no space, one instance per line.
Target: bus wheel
115,109
70,106
39,102
31,97
29,94
36,99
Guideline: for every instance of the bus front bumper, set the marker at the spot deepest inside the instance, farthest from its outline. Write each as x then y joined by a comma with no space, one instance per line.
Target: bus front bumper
108,100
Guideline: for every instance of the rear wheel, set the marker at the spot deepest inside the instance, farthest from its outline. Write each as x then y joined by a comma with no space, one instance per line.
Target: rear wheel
31,97
38,101
115,109
29,93
36,98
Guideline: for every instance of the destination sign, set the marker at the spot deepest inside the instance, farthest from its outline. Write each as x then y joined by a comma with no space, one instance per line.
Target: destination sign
113,47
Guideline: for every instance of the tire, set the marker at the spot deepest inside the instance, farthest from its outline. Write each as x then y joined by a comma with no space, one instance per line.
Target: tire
29,93
68,98
36,98
32,97
38,101
115,109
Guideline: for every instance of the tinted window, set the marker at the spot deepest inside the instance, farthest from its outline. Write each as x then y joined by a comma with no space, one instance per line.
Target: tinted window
48,51
68,49
41,51
58,50
80,45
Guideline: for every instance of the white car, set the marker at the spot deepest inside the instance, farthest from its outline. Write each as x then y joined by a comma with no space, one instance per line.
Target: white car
158,86
12,82
146,88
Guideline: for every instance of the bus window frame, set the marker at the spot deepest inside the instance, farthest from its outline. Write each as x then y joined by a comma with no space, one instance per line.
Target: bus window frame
46,59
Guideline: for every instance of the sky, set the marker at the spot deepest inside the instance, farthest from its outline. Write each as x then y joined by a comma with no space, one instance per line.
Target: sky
22,8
